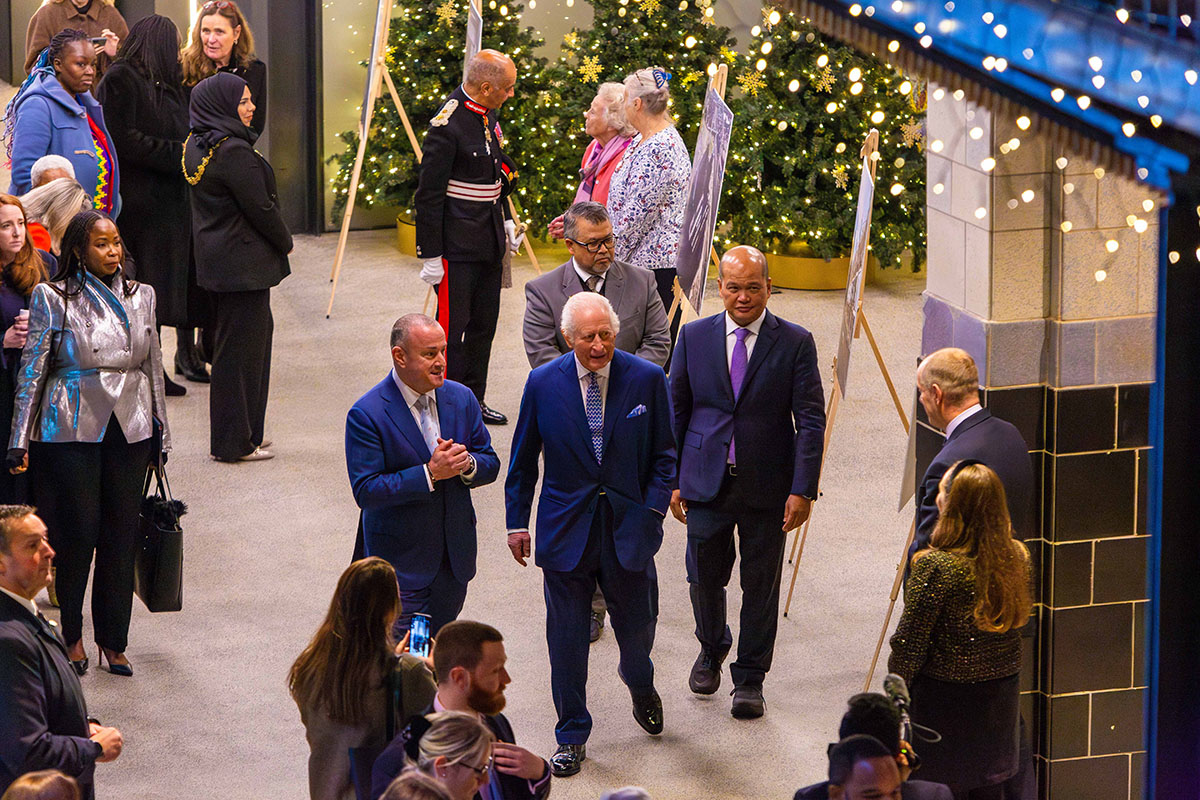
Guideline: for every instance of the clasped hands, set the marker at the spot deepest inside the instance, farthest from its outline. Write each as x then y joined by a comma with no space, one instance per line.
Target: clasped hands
448,460
795,510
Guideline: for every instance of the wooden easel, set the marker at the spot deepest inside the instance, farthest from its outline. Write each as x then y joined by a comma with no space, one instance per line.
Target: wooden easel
377,75
717,83
869,157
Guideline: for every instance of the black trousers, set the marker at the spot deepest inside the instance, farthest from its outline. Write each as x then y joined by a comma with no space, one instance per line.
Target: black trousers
241,372
467,309
633,607
710,557
89,495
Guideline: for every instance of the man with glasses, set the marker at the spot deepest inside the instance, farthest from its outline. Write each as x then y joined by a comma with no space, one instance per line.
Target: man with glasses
632,291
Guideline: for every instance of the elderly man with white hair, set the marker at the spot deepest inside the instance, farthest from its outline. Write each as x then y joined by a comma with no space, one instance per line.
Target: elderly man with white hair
601,419
49,168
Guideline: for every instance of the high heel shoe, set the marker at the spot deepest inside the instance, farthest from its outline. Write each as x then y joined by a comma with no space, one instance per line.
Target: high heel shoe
124,670
80,666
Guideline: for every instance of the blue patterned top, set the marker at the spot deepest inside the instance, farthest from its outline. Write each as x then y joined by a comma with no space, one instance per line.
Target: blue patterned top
647,197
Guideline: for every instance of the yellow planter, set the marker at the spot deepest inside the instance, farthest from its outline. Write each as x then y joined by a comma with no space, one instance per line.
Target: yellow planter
799,272
406,237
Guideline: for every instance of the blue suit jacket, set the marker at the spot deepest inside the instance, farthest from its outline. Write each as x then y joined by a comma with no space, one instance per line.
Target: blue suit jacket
404,522
639,461
778,418
1000,446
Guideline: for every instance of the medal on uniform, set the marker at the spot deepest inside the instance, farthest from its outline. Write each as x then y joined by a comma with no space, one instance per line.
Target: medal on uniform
487,135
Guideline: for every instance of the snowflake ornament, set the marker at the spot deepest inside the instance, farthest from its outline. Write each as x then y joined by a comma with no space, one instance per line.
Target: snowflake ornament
649,7
913,133
446,13
571,40
590,69
825,80
751,82
841,177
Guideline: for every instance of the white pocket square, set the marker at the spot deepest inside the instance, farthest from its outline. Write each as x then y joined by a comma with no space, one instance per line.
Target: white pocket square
637,412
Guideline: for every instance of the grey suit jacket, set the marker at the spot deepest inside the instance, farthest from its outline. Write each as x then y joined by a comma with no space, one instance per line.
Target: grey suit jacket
633,293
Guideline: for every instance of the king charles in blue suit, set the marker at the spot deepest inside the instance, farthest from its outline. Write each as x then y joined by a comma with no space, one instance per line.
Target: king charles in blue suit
415,448
601,419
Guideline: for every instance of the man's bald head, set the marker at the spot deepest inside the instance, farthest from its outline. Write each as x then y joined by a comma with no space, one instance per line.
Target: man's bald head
948,384
744,257
491,78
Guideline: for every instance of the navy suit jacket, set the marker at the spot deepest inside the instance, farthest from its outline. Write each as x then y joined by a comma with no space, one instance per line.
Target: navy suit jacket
778,418
636,473
1000,446
43,719
909,790
403,522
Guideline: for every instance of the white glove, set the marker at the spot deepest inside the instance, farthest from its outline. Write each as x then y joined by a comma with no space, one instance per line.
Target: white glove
514,241
432,271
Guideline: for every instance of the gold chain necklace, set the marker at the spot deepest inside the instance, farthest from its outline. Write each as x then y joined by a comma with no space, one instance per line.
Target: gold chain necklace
194,179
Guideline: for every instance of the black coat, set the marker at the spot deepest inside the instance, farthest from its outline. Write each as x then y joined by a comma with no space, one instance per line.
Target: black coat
239,237
148,125
43,719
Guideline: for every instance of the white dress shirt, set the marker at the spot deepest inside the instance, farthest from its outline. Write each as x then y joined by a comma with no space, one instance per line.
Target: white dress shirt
751,338
601,379
584,275
25,601
411,397
961,418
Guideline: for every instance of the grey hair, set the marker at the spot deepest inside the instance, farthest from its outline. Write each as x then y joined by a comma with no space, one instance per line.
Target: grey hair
483,69
641,85
458,737
612,95
587,210
584,300
54,205
47,163
404,327
626,793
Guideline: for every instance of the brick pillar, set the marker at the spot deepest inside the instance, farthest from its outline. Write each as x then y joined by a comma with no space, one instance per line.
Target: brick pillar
1044,269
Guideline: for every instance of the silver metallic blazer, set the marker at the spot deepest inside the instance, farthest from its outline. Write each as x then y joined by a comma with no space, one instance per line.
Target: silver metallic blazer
88,356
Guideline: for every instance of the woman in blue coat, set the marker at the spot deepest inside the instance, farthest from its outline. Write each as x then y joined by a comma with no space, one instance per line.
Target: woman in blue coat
54,113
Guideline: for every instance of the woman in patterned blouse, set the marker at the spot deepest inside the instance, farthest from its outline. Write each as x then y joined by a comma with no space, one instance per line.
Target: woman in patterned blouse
648,191
958,643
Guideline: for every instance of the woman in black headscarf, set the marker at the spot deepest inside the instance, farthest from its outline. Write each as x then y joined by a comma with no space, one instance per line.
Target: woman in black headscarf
241,245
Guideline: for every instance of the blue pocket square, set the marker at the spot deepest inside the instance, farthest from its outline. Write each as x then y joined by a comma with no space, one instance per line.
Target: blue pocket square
637,412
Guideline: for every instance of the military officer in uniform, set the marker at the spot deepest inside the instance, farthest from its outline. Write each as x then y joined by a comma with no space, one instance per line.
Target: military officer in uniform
463,226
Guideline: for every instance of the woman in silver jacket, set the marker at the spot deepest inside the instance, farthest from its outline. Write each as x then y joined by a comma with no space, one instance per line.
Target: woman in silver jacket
89,400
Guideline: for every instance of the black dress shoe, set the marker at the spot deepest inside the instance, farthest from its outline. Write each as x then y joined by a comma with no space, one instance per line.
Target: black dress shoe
189,364
492,417
706,672
597,626
171,388
648,711
748,702
567,760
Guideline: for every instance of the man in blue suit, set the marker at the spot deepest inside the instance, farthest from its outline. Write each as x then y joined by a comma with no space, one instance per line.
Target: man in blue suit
415,448
750,422
602,421
948,382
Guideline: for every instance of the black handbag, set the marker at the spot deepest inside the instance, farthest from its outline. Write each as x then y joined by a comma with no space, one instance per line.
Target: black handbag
158,565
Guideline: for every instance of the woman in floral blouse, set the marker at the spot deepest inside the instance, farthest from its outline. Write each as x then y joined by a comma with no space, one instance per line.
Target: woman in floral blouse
649,190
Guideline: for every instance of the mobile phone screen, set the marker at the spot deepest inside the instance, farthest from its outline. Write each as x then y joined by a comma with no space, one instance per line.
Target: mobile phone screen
418,639
99,40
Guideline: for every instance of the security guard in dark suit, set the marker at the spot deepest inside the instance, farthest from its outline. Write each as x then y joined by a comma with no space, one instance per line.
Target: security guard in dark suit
463,227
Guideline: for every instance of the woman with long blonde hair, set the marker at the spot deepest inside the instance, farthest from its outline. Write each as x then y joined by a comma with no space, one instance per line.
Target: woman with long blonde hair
221,41
53,205
958,643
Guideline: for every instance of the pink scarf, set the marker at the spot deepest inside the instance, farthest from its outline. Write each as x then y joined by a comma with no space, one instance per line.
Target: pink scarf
609,151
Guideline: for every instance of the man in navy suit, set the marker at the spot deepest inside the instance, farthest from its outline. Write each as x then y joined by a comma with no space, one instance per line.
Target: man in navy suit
750,422
43,719
416,446
601,419
948,382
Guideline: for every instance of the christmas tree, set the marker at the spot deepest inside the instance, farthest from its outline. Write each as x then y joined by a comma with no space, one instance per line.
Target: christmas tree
425,59
794,165
626,35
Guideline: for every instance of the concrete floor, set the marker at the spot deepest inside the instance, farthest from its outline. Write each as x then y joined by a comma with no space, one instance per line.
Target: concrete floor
207,714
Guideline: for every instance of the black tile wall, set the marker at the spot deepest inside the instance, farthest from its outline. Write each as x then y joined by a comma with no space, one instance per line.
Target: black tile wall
1094,495
1137,776
1070,575
1024,408
1141,616
1120,570
1133,415
1038,460
1143,496
1105,778
1086,420
1092,648
1117,721
929,442
1069,725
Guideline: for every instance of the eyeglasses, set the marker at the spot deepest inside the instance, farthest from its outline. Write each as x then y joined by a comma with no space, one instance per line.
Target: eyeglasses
594,247
483,771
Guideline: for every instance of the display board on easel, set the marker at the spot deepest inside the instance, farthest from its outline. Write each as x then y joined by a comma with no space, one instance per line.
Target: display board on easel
377,76
854,323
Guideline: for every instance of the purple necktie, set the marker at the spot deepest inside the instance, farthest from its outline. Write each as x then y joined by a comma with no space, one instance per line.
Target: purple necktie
737,374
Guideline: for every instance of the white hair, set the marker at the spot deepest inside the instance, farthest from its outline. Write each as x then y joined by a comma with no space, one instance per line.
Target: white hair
46,163
612,95
587,300
626,793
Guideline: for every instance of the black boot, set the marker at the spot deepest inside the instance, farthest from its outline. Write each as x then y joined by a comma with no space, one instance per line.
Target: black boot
172,388
187,360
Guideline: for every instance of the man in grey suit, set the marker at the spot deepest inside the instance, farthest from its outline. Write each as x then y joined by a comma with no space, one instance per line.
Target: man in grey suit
631,290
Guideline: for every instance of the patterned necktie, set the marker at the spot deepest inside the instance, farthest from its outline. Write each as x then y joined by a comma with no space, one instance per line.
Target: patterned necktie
593,282
595,416
737,374
428,429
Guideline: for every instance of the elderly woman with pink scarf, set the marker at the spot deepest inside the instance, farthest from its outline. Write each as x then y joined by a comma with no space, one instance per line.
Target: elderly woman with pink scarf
611,133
